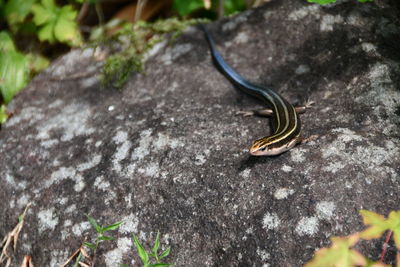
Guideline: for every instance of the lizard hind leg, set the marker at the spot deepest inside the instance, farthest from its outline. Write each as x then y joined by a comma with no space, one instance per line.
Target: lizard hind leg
262,112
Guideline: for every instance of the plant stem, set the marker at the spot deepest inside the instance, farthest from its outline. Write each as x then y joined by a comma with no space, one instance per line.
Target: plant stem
100,14
221,9
385,246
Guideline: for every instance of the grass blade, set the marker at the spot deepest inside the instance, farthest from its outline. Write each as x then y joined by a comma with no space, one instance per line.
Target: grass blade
141,251
94,224
113,226
156,244
165,253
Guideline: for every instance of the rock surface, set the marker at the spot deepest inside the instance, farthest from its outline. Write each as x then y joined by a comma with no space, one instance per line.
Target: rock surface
168,153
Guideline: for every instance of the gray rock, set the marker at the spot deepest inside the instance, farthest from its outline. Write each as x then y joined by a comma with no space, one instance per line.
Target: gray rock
168,152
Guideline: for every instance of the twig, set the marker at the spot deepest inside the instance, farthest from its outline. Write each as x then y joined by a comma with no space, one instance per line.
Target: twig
12,237
81,250
221,9
139,7
83,11
27,262
385,246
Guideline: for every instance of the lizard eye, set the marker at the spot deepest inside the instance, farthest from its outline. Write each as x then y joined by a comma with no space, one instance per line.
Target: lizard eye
263,148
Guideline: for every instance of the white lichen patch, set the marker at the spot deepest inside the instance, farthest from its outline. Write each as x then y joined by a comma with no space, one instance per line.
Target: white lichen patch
72,121
57,257
347,135
59,175
55,104
47,220
370,157
49,143
66,173
309,10
232,23
68,63
120,137
199,159
22,201
124,145
298,154
283,193
101,183
151,170
264,255
29,115
79,228
245,173
176,52
268,14
338,146
130,224
241,38
67,223
334,166
325,209
271,221
368,47
286,168
307,226
164,141
79,183
114,257
302,69
71,208
11,181
356,19
89,81
93,162
144,145
328,21
155,49
383,97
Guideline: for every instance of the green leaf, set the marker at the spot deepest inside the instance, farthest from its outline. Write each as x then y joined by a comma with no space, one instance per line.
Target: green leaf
165,253
3,119
95,225
394,224
49,4
65,31
14,74
105,238
233,6
90,245
6,43
377,224
339,254
321,2
113,226
45,33
156,244
16,10
78,258
185,7
57,24
141,251
37,62
42,15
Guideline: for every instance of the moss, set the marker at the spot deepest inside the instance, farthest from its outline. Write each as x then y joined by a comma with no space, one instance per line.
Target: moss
133,41
118,68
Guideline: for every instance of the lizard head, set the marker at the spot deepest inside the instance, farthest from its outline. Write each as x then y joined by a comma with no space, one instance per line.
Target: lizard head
267,147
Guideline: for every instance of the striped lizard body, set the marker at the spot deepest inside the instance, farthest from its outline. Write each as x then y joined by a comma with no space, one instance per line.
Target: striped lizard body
285,119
